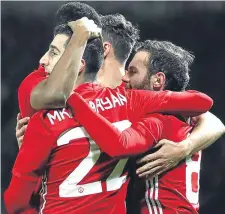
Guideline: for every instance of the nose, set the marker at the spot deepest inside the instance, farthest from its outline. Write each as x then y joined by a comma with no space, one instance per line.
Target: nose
44,61
126,78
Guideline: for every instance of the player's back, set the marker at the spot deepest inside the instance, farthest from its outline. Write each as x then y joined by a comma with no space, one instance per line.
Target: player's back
79,177
177,190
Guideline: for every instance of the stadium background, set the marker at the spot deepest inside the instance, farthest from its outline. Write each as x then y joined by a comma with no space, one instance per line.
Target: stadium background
196,26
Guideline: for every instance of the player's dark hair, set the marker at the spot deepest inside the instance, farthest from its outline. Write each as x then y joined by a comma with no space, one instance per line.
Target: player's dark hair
93,54
73,11
122,34
170,59
132,54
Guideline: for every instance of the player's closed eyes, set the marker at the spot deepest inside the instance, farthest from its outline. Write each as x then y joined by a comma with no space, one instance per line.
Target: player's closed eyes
53,52
132,71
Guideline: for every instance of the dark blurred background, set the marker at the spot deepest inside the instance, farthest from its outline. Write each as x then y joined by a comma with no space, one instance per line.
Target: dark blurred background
196,26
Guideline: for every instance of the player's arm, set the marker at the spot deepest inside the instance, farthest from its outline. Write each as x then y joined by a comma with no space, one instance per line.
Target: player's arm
39,92
25,89
54,91
208,128
187,103
132,141
29,166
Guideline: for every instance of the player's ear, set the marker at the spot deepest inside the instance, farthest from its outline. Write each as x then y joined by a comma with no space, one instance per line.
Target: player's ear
107,47
158,81
82,67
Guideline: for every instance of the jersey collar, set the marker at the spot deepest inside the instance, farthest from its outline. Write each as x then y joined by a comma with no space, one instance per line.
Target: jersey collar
87,87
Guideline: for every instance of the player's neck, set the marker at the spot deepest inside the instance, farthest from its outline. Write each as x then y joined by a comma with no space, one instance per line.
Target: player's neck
110,74
82,79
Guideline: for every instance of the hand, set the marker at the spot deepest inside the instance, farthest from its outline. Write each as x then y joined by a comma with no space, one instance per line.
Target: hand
21,127
167,157
85,28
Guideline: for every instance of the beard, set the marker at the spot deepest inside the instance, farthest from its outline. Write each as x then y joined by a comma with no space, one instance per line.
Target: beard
143,85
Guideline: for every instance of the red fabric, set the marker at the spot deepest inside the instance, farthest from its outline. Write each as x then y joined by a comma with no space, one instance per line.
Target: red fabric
29,166
141,136
25,89
172,192
132,141
187,103
49,148
43,152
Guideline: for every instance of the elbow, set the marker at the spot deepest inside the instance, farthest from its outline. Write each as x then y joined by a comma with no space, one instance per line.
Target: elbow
113,153
120,147
15,202
116,152
213,122
223,129
48,100
207,104
210,104
11,202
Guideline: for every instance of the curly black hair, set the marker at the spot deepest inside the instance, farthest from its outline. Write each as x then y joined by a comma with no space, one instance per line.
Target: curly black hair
94,53
170,59
73,11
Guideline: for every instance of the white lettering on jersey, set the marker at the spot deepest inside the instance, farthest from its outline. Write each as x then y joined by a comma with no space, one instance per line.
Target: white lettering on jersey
106,103
58,115
109,106
92,105
115,101
63,112
122,99
99,105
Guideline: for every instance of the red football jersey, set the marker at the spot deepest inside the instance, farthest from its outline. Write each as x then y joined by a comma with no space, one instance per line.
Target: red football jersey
25,89
176,191
78,177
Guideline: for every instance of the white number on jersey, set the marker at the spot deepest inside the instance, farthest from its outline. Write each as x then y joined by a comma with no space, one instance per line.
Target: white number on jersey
192,178
69,187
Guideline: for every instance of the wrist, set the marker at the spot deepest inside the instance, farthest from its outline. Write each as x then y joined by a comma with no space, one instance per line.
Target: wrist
185,146
80,39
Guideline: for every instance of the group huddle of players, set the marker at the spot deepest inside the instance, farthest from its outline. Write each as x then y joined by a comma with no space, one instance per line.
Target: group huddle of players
93,124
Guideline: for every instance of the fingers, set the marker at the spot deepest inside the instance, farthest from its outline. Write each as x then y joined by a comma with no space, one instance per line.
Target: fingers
162,142
148,158
149,166
20,141
150,173
86,25
19,116
20,132
22,122
95,34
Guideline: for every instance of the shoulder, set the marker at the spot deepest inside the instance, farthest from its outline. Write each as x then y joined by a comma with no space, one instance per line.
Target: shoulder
55,121
33,77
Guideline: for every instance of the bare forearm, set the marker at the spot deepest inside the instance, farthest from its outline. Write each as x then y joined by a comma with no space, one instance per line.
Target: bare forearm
53,92
207,130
